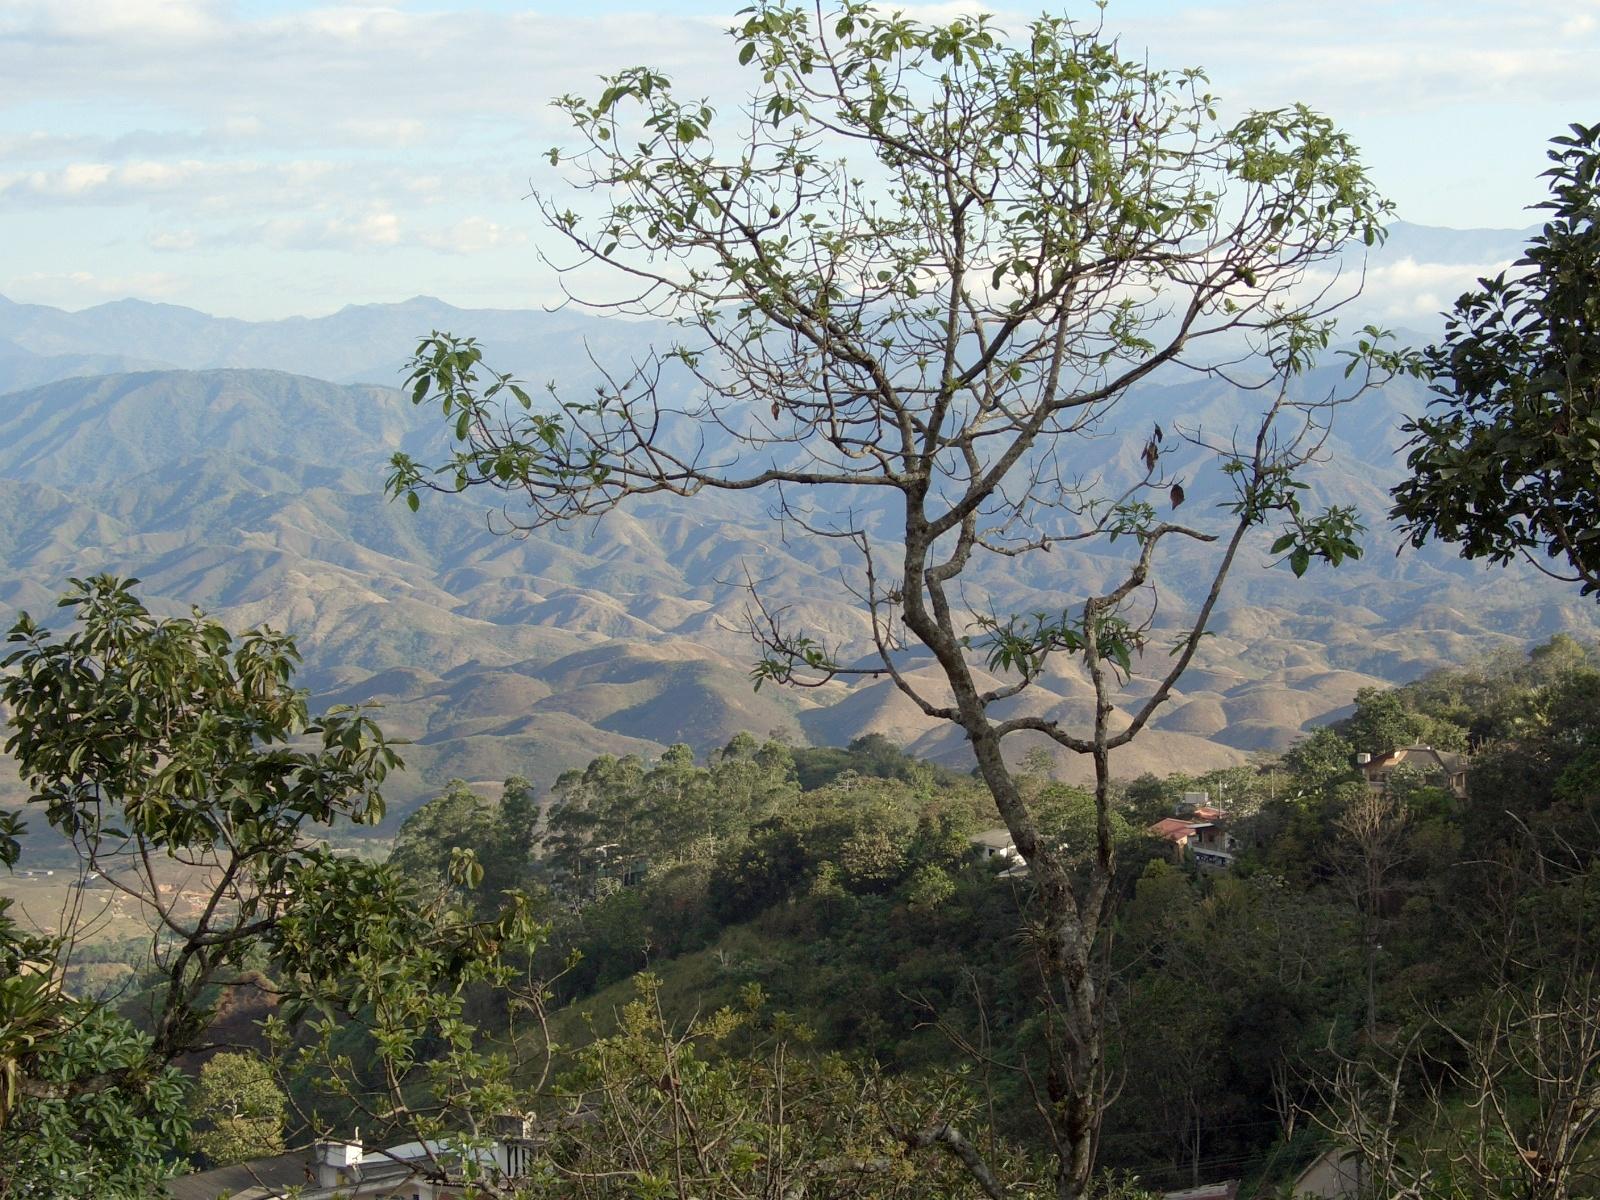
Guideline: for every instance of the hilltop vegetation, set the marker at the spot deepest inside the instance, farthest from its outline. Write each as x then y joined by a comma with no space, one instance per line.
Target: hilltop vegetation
857,904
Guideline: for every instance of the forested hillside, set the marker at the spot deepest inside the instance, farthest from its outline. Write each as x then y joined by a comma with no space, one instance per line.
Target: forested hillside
856,902
839,902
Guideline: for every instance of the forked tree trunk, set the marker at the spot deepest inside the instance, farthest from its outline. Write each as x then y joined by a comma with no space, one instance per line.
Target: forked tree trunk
1070,991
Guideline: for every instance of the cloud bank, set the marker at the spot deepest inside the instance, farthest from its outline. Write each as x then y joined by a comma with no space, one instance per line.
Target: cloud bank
274,157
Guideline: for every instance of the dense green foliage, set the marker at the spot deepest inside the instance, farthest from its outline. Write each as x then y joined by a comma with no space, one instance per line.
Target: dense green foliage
1428,943
242,1107
159,745
1506,461
95,1114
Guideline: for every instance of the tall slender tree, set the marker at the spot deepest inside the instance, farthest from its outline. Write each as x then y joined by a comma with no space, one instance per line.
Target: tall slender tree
918,270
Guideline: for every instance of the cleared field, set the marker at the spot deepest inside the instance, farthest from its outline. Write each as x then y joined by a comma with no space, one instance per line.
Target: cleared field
51,903
54,901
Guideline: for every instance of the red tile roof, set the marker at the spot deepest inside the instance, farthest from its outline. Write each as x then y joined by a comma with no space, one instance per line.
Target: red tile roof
1174,829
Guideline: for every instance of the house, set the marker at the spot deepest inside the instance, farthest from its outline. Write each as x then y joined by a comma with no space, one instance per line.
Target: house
993,843
348,1171
996,846
255,1179
1175,830
1445,766
1335,1175
1203,836
610,862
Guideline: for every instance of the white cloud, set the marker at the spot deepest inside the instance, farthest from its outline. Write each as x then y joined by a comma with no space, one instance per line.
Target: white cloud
178,240
210,187
95,181
475,235
383,131
1405,291
374,230
1411,290
74,180
377,125
91,20
1369,55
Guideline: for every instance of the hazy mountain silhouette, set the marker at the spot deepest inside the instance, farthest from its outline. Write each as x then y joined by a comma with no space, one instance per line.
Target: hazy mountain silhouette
257,494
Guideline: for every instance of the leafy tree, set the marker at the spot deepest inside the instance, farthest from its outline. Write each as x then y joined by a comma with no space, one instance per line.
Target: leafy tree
872,860
1545,776
1150,797
1384,719
871,754
152,742
1239,790
147,741
370,961
242,1106
592,808
624,810
84,1110
1381,722
508,858
1506,461
1174,1079
765,871
928,887
89,1110
936,259
734,1106
1322,758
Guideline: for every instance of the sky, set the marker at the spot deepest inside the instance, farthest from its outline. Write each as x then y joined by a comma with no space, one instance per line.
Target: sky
267,158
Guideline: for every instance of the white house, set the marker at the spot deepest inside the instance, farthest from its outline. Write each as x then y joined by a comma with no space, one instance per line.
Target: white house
994,843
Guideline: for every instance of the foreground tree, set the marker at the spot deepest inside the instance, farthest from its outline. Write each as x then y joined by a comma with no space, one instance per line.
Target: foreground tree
737,1105
1506,462
176,758
84,1110
183,766
930,261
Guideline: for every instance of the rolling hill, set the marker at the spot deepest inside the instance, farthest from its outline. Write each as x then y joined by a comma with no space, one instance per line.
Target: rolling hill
257,494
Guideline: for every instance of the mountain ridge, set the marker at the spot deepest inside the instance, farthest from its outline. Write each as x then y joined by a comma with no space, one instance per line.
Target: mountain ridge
257,493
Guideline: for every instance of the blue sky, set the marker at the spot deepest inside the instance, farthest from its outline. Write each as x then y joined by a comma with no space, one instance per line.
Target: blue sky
263,158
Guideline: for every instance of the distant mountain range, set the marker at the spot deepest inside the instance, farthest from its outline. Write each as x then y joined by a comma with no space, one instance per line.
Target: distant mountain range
156,441
360,344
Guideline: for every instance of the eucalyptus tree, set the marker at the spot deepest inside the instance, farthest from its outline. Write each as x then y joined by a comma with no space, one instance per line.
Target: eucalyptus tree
907,282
